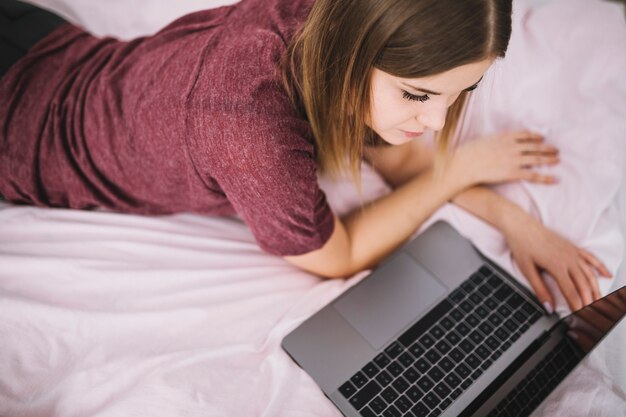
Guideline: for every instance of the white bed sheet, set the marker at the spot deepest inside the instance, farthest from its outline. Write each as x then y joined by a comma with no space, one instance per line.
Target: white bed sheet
104,314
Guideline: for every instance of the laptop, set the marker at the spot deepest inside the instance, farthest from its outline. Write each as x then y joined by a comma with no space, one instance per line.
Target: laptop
440,330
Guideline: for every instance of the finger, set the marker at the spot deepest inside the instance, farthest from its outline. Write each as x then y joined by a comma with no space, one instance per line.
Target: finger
591,279
582,285
538,149
538,160
536,282
526,136
589,257
569,290
535,177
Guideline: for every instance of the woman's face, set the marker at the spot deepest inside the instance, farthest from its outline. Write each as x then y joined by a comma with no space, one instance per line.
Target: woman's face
403,108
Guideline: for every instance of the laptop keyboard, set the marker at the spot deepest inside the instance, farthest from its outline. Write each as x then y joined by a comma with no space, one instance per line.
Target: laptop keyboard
538,384
435,360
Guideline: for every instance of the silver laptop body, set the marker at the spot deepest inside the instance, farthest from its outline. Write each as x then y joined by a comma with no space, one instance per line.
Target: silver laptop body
399,341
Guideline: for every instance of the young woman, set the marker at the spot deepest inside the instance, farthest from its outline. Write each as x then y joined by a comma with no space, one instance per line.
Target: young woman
234,110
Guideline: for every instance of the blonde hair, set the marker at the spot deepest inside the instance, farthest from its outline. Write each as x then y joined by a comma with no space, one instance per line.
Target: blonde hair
328,66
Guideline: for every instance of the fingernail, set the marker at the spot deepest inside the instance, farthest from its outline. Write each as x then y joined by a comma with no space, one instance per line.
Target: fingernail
548,307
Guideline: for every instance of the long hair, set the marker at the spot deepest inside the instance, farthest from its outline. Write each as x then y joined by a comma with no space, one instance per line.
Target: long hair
328,66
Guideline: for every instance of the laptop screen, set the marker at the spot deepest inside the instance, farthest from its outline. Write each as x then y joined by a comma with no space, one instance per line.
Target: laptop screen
587,326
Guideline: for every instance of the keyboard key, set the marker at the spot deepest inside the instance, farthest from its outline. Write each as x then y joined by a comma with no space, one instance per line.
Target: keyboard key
359,379
406,359
494,281
422,365
416,350
403,403
427,341
452,380
383,378
411,375
477,373
420,410
437,332
447,323
365,394
445,404
367,412
446,364
520,316
476,337
347,389
462,370
491,303
504,311
502,333
443,347
466,306
392,412
389,394
536,315
467,345
425,383
394,350
503,293
468,286
395,368
455,394
414,393
453,338
515,301
431,400
400,385
462,329
481,312
484,290
382,360
419,328
511,325
436,374
457,355
486,328
457,315
433,356
473,361
442,390
378,405
494,319
483,352
492,342
472,320
457,295
370,369
475,298
529,308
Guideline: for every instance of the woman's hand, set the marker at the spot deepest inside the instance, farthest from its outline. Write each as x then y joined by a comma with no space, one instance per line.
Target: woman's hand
504,157
536,248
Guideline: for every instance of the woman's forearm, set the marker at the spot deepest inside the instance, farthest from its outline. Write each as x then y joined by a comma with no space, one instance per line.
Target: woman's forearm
369,234
488,206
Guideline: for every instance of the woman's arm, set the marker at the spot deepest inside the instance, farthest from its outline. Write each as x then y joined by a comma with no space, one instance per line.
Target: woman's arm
369,234
533,246
366,236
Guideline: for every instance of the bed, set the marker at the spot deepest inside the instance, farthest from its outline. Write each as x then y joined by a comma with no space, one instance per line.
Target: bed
105,314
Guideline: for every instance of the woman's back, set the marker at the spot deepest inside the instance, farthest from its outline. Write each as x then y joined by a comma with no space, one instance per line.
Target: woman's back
136,126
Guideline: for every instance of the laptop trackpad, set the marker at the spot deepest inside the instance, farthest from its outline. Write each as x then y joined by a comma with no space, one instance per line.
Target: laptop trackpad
384,303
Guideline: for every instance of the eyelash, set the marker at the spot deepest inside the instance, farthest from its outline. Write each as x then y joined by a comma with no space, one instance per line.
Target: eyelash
413,97
426,97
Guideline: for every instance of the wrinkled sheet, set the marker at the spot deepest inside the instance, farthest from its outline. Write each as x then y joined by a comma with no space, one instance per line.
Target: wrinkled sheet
104,314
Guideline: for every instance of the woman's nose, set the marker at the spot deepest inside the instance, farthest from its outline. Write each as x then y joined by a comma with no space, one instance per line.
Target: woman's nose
434,118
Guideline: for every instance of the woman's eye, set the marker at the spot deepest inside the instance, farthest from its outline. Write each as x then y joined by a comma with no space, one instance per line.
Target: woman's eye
413,97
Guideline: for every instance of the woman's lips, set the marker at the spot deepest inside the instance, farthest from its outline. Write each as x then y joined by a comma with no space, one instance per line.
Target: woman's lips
411,134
